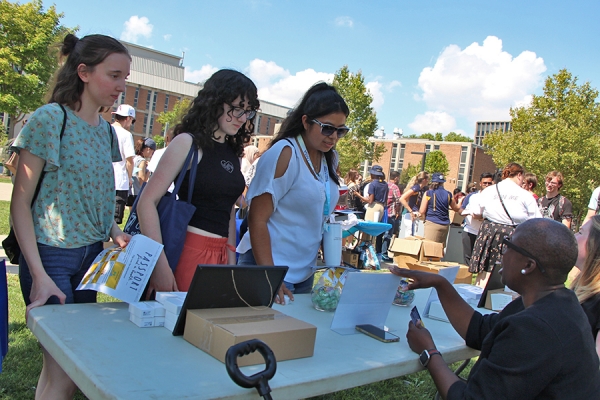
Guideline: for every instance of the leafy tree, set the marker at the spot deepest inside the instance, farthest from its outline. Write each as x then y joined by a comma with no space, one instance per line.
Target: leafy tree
560,130
355,147
173,117
439,137
411,136
408,172
457,137
428,136
436,161
28,55
159,140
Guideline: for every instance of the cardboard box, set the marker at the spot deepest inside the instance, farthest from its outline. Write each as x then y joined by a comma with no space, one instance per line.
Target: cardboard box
463,275
215,330
456,218
413,249
503,298
351,258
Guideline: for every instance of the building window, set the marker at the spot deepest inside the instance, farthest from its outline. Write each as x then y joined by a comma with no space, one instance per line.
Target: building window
145,123
393,160
401,157
154,101
258,124
436,147
148,98
268,125
166,103
122,99
427,148
136,97
151,124
462,166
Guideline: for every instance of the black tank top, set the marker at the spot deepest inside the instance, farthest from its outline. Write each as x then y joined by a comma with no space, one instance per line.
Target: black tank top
219,183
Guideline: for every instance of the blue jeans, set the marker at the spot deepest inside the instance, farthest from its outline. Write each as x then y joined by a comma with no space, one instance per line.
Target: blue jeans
247,258
66,267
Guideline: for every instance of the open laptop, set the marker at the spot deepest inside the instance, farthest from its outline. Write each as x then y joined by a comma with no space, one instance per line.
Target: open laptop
226,286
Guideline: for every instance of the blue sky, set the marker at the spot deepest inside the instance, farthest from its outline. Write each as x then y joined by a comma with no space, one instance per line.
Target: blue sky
432,66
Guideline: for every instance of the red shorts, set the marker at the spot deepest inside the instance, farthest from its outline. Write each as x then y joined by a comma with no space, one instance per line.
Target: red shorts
199,249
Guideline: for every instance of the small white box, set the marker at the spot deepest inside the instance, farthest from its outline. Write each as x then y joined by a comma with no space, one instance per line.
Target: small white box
162,296
173,305
143,309
170,324
146,322
159,321
170,317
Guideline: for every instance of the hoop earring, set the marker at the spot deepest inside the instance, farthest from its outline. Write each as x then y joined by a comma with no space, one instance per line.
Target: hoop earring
523,271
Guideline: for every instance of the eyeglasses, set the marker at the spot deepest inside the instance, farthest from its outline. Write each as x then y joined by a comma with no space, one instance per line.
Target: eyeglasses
327,130
506,243
238,112
549,182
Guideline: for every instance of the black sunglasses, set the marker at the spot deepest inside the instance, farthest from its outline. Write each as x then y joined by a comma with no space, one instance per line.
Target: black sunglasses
238,112
328,130
506,242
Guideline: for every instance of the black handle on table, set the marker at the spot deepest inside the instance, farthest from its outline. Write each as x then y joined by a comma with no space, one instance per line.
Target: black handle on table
260,380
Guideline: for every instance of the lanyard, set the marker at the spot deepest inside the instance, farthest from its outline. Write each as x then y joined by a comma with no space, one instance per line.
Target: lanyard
322,176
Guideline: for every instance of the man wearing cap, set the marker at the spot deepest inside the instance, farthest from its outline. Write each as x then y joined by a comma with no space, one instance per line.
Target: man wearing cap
124,118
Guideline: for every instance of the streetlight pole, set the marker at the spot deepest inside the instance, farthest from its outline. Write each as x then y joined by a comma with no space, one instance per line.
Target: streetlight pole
424,154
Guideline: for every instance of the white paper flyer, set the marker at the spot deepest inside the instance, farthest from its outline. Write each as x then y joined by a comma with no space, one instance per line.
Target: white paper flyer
123,273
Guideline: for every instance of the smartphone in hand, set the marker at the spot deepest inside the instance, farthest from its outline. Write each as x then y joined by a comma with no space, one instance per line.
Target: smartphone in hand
415,316
377,333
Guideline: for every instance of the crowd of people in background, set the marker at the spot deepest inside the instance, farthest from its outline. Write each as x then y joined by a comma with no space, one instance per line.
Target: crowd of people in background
289,192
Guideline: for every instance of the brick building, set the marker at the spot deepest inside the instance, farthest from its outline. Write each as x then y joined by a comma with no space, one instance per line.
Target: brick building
466,161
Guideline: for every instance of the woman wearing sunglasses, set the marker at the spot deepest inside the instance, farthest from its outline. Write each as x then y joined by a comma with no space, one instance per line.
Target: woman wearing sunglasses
587,284
218,123
295,189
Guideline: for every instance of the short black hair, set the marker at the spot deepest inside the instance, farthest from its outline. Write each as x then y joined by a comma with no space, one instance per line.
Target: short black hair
486,175
552,243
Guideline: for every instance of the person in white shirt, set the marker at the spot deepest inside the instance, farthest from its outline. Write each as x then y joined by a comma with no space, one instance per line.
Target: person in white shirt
295,189
503,206
124,118
153,163
593,206
471,225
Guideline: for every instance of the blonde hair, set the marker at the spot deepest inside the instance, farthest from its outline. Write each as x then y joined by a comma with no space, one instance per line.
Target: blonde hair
587,283
417,179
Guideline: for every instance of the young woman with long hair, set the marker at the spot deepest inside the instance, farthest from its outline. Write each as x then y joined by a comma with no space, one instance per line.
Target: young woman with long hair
295,189
219,122
587,284
62,231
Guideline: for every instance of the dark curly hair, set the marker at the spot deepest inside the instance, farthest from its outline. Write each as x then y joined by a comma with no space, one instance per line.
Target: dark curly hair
90,50
321,99
201,120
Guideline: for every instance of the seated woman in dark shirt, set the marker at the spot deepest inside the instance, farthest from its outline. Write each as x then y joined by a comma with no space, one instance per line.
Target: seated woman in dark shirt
539,347
587,283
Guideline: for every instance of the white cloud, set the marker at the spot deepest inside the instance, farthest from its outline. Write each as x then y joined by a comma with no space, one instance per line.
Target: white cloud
432,122
345,22
199,75
167,37
480,82
375,90
136,27
276,84
390,86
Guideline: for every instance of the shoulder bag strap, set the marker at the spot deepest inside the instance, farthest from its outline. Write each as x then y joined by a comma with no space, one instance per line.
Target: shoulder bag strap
62,132
503,206
193,158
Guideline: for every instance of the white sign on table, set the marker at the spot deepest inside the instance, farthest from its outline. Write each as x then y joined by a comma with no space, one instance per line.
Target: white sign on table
123,272
366,299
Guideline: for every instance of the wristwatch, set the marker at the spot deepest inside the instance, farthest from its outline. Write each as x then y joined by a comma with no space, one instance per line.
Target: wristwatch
425,356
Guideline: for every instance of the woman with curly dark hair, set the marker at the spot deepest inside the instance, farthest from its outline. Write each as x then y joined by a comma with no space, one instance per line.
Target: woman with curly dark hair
218,123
